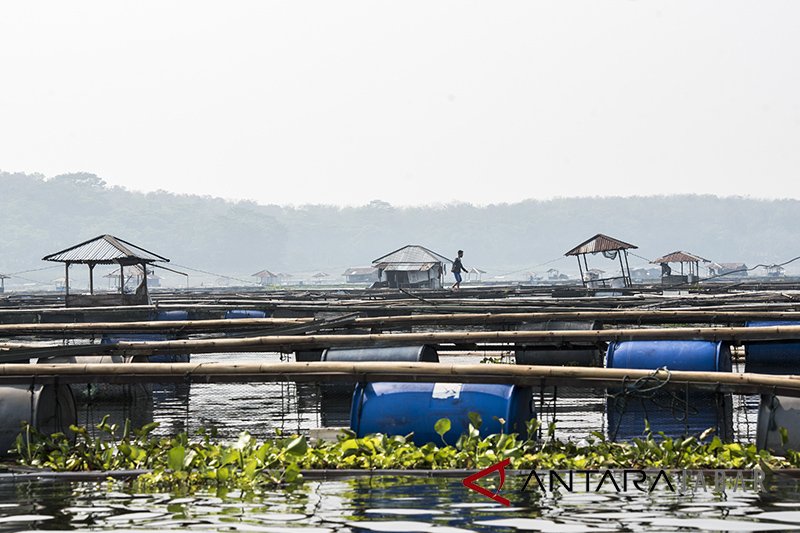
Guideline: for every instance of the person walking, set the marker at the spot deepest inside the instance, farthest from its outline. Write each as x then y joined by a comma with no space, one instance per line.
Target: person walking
457,269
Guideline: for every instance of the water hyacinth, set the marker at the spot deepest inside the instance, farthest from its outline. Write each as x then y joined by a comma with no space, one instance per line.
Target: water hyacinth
185,465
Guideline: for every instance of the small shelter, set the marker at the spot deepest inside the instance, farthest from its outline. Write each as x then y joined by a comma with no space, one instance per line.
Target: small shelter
733,270
265,277
412,266
106,250
773,271
361,274
319,277
476,272
133,278
690,267
610,248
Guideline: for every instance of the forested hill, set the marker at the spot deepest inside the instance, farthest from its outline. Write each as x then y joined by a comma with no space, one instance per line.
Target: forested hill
41,215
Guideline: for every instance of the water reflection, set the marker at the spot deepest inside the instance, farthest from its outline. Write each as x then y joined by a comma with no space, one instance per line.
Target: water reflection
389,503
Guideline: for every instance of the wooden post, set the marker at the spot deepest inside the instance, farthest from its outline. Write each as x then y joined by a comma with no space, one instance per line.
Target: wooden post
628,269
66,281
121,279
91,278
144,281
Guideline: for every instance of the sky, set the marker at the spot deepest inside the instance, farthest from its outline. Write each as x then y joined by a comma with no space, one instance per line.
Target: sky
408,102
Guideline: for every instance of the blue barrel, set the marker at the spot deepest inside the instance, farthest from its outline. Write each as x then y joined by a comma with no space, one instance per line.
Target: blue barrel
781,357
336,398
676,413
699,356
245,313
402,408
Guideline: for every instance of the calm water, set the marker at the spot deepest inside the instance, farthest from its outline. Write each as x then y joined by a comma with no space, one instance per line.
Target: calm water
388,503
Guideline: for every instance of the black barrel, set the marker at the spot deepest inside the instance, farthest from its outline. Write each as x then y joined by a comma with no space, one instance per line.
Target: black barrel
567,355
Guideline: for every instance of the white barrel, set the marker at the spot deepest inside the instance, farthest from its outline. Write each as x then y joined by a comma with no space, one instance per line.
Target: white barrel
48,408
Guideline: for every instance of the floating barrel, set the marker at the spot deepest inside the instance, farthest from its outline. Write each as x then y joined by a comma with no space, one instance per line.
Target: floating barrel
307,356
403,408
172,315
244,313
402,354
774,413
48,408
699,356
674,412
568,355
782,357
335,398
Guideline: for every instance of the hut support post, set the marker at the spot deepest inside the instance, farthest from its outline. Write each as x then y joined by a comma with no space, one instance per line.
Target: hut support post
580,268
144,280
628,282
66,280
91,278
121,279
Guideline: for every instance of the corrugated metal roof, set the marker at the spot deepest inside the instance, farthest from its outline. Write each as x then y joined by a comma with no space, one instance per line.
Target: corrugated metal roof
679,257
105,249
408,267
412,253
600,243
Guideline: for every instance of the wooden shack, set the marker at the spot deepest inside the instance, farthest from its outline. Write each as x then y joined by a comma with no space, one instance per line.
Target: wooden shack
361,274
266,278
412,266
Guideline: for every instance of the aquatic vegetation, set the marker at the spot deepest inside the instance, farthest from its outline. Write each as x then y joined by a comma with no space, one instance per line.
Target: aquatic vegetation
181,463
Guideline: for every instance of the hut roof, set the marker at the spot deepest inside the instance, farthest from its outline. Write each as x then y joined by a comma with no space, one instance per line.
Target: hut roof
408,267
679,257
412,253
264,274
359,271
600,243
105,249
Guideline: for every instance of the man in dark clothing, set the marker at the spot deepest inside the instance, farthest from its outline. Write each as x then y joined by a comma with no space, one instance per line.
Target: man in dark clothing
457,269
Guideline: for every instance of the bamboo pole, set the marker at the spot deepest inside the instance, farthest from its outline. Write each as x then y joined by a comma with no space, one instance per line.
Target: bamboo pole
289,343
440,319
740,383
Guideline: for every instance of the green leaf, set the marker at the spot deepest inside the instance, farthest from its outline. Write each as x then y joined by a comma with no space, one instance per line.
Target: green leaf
298,446
442,426
475,419
175,458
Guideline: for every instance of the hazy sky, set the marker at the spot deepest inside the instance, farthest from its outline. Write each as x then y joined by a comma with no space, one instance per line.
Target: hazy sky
409,102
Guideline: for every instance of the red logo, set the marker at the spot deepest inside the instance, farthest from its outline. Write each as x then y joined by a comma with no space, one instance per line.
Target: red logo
469,482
